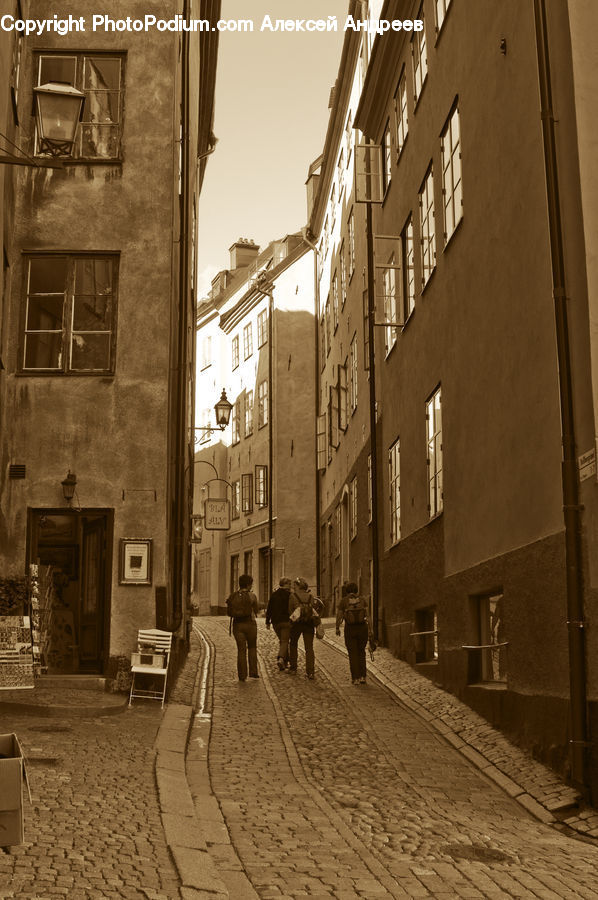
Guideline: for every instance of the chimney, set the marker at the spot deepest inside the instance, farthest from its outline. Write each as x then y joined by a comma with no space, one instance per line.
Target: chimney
242,253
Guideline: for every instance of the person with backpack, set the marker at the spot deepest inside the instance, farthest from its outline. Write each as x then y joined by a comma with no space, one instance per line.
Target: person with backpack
277,615
243,608
353,609
305,612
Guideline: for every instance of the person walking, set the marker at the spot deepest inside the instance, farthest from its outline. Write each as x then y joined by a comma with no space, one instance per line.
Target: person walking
277,615
243,608
305,612
353,610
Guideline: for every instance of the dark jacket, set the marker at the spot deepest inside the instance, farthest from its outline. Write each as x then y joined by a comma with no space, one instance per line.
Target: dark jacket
278,607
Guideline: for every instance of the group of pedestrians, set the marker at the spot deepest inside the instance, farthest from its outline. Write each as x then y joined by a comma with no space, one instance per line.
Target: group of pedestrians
294,612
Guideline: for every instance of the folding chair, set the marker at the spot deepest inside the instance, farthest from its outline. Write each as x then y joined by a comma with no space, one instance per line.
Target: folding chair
151,659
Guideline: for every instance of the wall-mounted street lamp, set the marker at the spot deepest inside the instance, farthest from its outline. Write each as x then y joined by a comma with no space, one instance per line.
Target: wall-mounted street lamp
58,110
68,487
223,410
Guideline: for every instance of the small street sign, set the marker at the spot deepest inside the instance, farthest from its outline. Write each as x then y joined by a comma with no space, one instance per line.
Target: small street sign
217,515
587,465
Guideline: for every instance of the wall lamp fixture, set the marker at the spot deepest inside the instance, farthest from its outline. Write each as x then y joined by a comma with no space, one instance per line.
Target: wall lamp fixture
68,487
58,111
223,410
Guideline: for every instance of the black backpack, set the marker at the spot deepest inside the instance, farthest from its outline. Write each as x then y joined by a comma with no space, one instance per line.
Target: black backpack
240,604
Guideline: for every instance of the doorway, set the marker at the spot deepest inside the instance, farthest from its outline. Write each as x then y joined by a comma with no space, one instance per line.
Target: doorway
77,545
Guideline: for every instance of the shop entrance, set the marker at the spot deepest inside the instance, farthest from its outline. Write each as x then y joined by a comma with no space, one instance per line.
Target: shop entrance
76,545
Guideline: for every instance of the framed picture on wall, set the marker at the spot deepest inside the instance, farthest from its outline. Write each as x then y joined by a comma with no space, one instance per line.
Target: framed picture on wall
135,565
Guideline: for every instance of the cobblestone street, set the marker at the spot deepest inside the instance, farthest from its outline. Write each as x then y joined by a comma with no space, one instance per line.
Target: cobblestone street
93,829
335,790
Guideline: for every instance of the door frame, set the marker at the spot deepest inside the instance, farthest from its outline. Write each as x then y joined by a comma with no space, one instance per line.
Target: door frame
108,513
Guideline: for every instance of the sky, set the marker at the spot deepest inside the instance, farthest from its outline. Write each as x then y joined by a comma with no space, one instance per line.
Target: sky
271,115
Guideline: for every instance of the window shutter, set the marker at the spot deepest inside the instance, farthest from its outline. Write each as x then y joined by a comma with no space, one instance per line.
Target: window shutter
321,442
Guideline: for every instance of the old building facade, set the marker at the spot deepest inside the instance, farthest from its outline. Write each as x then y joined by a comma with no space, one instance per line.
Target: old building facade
97,337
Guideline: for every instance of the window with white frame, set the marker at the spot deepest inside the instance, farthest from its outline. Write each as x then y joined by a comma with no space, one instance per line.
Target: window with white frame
353,508
236,499
401,112
427,226
332,207
394,482
247,341
420,57
343,399
408,273
351,243
248,413
69,325
441,8
262,404
328,325
235,351
389,286
370,503
261,486
247,493
262,328
343,265
100,76
353,374
434,461
236,422
450,146
206,351
321,443
386,159
335,300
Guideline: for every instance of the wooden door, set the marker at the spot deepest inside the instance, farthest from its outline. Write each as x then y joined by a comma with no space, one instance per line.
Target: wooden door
91,612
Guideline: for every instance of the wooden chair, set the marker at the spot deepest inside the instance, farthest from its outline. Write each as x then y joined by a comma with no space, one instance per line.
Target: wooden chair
151,659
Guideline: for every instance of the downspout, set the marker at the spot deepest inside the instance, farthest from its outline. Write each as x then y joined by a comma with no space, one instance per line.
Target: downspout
270,445
373,435
571,509
305,232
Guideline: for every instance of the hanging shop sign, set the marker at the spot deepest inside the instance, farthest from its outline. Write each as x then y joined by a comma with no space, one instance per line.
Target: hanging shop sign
217,515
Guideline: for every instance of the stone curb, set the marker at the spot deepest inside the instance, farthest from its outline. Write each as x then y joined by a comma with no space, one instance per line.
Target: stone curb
184,833
542,812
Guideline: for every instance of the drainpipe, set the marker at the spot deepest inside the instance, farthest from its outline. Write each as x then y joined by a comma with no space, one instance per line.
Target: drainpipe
270,446
571,507
305,233
373,436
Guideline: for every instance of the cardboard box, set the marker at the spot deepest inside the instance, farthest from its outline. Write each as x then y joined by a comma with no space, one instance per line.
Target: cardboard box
148,659
11,791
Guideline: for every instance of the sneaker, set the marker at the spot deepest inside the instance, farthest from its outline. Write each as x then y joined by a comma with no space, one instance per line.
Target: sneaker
362,680
280,663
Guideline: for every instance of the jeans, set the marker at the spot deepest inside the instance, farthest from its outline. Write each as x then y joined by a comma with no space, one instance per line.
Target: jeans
283,629
245,634
307,630
356,640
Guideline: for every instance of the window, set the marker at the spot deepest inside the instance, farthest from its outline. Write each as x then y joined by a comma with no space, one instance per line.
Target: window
247,493
353,374
428,235
248,562
420,57
248,413
353,508
493,656
321,443
338,518
204,436
247,341
426,634
15,69
234,573
394,481
235,502
348,137
351,242
323,352
401,112
366,331
262,404
206,352
333,415
236,422
343,401
332,207
235,351
335,300
262,328
370,502
261,486
450,146
100,77
327,320
386,159
70,314
389,286
408,273
343,263
434,435
441,9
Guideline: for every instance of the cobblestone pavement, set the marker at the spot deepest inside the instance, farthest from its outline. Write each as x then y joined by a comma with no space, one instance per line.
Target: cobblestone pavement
331,790
93,829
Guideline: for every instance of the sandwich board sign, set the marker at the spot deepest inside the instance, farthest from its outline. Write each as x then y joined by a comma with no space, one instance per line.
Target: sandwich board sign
217,515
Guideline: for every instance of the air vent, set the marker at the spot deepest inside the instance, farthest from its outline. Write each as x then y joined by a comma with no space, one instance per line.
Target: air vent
16,471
